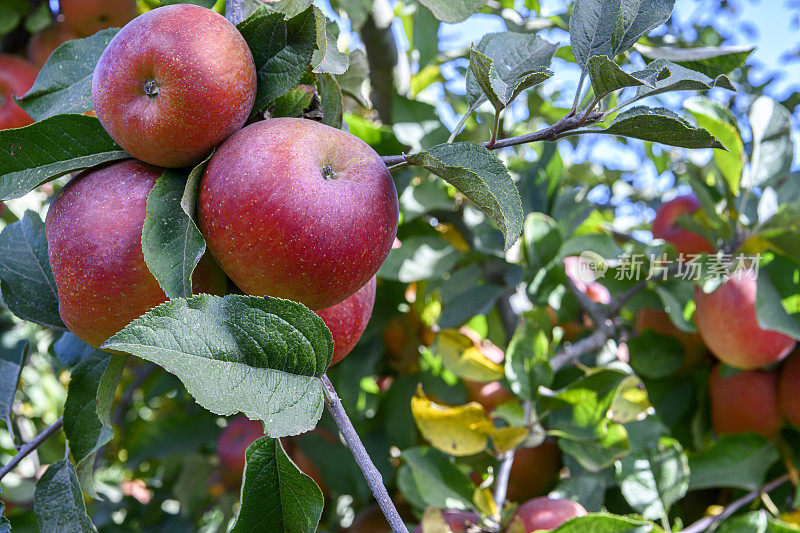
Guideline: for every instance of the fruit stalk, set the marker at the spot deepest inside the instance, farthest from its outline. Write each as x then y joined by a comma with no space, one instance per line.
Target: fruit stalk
371,474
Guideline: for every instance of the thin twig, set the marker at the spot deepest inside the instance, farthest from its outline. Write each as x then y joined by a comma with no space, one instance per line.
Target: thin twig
371,474
29,447
592,343
709,521
234,11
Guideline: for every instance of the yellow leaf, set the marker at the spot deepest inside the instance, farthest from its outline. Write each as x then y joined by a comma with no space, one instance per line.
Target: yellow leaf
452,235
755,245
484,501
516,526
509,437
459,431
792,518
433,522
463,358
630,401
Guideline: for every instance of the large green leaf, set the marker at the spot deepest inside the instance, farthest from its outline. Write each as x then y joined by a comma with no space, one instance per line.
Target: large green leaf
276,492
718,121
526,364
449,11
773,149
481,177
437,480
58,501
607,76
87,411
48,149
171,243
282,51
10,373
26,279
736,461
64,85
504,64
610,27
711,61
607,523
327,58
259,356
419,258
70,350
660,125
770,309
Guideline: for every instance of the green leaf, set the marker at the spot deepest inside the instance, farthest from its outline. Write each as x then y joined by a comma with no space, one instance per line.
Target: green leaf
293,102
327,57
655,356
259,356
481,177
64,85
610,27
419,258
711,61
58,501
773,149
736,461
425,35
276,492
48,149
652,480
87,411
660,125
678,78
607,523
171,243
449,11
289,8
756,522
541,241
330,95
527,362
281,49
719,122
10,373
770,311
437,481
607,76
70,350
782,230
26,279
11,13
504,64
353,82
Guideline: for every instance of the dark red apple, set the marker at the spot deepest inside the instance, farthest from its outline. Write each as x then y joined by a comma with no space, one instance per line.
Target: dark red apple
173,84
348,319
789,389
665,226
16,77
745,403
726,320
534,470
43,43
547,513
94,234
299,210
87,17
240,433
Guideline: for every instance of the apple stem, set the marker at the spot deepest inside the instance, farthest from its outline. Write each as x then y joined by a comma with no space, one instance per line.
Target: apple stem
371,474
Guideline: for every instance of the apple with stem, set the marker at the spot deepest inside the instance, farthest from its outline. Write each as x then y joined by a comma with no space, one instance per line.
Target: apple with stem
746,402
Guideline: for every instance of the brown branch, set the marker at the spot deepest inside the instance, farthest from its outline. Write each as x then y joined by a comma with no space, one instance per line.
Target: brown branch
30,446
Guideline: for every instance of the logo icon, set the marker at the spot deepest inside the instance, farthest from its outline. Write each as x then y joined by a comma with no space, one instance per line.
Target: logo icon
591,267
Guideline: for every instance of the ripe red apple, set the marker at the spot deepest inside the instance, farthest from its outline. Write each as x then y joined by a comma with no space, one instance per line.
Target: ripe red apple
240,433
665,226
296,209
94,233
348,319
16,77
43,43
173,84
659,321
726,320
745,402
87,17
789,389
547,513
457,521
533,471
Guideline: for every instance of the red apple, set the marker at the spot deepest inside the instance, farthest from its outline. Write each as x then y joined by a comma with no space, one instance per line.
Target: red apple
94,233
659,321
457,521
240,433
348,319
16,77
744,403
299,210
173,84
43,43
665,226
789,389
533,471
87,17
489,395
547,513
726,320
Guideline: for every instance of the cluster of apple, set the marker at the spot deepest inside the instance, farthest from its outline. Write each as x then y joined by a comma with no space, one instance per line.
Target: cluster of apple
289,208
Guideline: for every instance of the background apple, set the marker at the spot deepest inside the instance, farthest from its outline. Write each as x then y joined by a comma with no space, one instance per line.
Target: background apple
726,320
534,470
16,77
94,233
240,433
665,226
87,17
789,389
168,95
348,319
296,209
547,513
745,402
659,321
43,43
